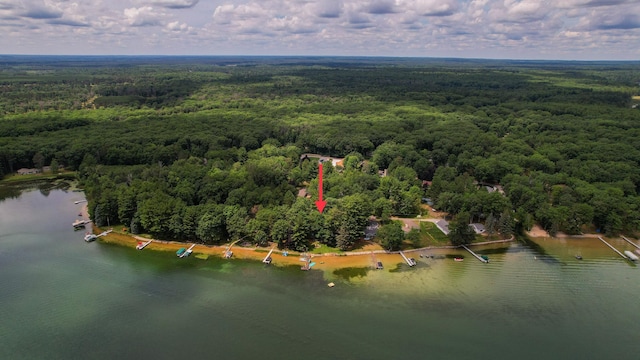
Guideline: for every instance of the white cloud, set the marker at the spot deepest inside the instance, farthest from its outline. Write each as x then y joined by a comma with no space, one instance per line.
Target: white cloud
39,10
143,16
522,11
433,7
225,14
73,15
178,27
476,28
293,25
616,20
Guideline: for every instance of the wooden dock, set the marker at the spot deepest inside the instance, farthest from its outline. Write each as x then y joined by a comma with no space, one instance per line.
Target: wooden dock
104,233
376,264
631,242
143,245
267,259
228,253
188,252
475,255
612,248
80,223
410,262
308,263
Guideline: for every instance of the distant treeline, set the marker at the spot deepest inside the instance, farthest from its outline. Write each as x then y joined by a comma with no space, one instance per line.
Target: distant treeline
199,151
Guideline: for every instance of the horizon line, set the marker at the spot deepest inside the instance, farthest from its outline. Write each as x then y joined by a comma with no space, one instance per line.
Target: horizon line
321,56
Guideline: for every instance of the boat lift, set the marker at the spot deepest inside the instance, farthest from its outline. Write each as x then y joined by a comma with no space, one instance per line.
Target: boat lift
141,245
267,259
228,253
410,262
188,251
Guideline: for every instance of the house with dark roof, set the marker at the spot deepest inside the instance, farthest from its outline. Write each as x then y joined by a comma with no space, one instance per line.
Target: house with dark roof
478,228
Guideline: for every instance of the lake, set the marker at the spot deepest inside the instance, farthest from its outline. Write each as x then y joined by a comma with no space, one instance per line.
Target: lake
63,298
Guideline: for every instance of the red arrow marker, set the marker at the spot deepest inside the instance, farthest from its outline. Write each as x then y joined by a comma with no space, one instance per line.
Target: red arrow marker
320,204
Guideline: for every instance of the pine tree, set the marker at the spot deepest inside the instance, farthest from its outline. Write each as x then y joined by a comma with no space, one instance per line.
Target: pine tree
461,233
506,223
55,167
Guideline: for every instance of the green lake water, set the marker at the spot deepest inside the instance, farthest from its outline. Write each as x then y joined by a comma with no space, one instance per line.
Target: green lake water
62,298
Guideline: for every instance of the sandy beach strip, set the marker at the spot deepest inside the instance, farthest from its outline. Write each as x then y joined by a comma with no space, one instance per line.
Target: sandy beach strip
364,257
328,261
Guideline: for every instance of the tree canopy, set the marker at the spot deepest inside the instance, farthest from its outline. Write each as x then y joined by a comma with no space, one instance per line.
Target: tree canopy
204,151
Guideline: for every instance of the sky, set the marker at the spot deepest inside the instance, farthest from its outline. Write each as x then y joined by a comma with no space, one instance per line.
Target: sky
497,29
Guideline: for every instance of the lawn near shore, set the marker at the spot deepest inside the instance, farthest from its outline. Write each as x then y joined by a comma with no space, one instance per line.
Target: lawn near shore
48,176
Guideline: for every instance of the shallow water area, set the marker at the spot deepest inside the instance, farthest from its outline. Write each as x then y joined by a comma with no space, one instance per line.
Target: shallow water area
103,301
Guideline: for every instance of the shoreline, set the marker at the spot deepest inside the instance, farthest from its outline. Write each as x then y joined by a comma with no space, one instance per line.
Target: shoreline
12,179
359,258
325,261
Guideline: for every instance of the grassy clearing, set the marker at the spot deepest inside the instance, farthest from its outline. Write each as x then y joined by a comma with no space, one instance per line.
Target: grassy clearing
479,238
323,249
15,178
562,81
431,235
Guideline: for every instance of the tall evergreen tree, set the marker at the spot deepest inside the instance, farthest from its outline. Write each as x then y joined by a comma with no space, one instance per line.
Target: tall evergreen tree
460,231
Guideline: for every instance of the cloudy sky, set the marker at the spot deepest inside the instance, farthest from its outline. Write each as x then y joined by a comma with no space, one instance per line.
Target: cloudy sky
515,29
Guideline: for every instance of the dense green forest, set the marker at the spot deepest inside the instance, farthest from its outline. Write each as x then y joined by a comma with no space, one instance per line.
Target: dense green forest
209,149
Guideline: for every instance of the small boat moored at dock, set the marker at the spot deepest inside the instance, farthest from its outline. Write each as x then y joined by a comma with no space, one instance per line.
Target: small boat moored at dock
188,252
88,237
307,266
80,223
631,256
411,262
142,244
180,252
267,259
458,259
